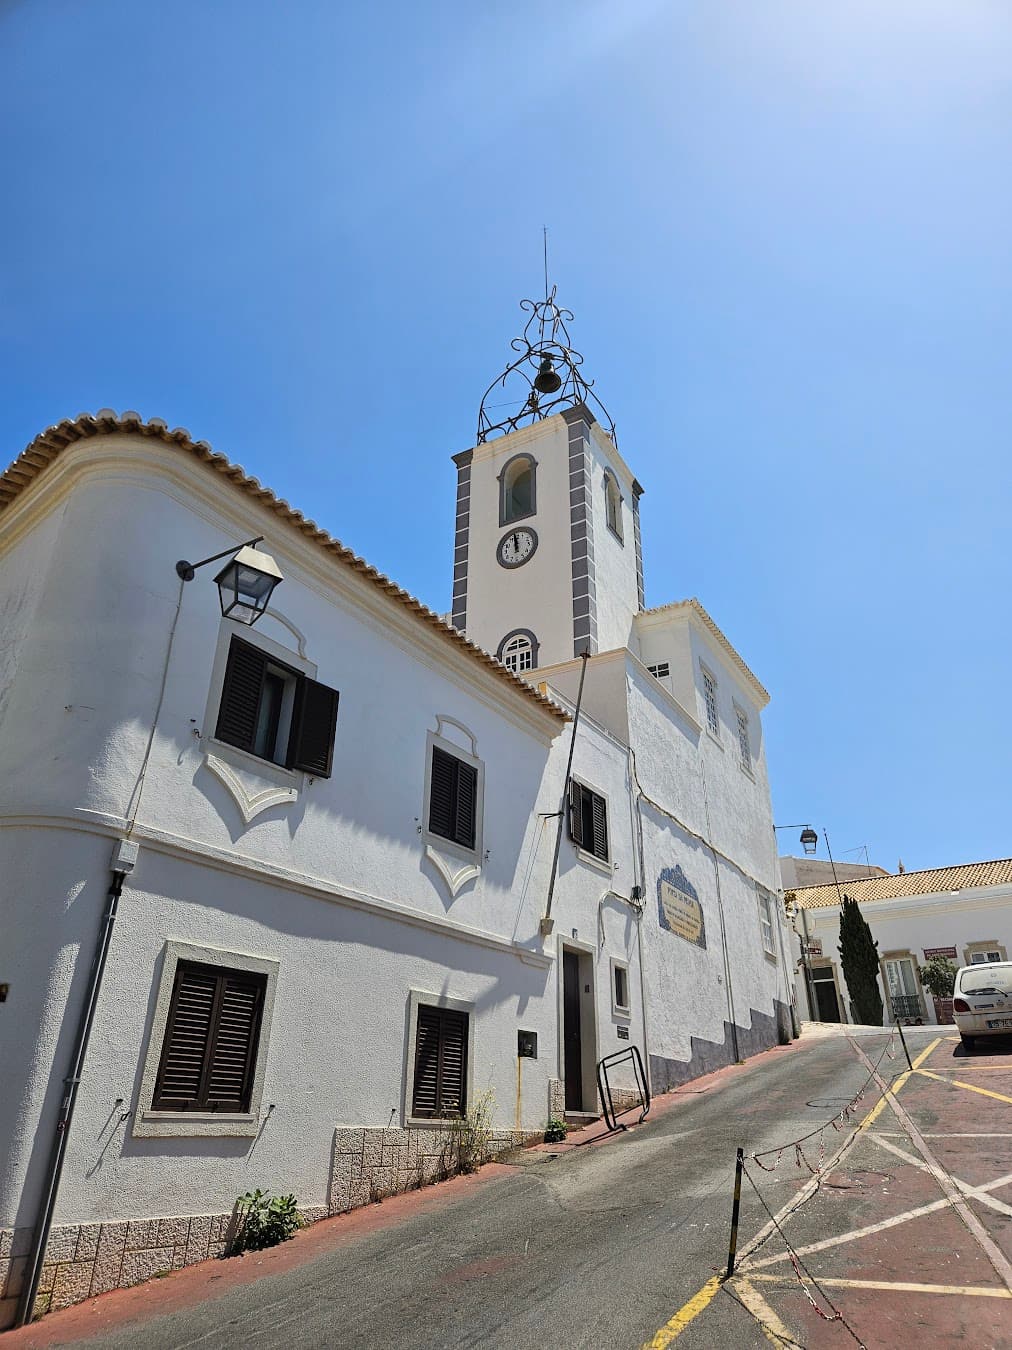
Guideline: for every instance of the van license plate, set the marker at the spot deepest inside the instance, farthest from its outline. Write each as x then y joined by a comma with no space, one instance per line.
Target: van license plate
999,1022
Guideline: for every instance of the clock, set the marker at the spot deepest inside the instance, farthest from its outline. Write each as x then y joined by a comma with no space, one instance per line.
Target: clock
517,547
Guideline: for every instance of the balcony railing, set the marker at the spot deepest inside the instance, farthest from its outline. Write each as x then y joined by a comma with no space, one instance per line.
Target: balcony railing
906,1005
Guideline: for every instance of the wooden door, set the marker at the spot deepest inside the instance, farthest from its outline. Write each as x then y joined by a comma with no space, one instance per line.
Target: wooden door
571,1039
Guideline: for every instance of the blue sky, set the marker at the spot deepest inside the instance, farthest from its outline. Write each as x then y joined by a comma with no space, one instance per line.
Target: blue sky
302,232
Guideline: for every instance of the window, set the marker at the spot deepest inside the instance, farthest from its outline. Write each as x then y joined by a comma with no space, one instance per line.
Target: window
518,650
453,798
983,953
984,958
662,671
744,752
439,1087
620,1004
276,713
211,1040
710,699
766,902
612,504
517,489
588,820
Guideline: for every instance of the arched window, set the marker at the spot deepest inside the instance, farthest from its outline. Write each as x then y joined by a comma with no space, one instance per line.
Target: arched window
612,503
518,651
517,489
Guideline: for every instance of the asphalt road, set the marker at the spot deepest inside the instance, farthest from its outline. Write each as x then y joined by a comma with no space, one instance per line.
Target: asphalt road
599,1246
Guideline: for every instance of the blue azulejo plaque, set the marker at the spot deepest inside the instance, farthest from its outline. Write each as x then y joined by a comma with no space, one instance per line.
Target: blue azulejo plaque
678,906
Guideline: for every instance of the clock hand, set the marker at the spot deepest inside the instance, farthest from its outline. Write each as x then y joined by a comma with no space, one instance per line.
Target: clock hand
516,542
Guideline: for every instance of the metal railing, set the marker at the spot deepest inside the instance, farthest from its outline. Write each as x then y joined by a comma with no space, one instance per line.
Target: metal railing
632,1054
906,1005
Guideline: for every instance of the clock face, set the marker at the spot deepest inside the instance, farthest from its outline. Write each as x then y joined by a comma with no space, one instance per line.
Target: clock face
517,547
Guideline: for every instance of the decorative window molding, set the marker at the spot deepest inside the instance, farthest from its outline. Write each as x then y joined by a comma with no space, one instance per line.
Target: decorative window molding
518,651
454,800
982,953
439,1074
588,822
261,974
518,481
613,505
621,998
710,701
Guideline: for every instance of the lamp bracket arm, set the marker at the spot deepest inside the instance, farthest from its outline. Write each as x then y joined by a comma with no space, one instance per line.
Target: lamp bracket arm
185,570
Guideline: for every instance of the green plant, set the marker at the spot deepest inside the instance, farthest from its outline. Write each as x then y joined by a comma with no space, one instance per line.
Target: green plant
264,1221
939,975
859,959
555,1131
474,1133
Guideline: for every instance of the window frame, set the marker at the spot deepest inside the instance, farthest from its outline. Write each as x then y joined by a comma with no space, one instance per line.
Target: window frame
504,518
766,900
613,493
742,728
510,636
982,948
150,1123
657,668
439,842
418,997
618,1009
607,863
707,675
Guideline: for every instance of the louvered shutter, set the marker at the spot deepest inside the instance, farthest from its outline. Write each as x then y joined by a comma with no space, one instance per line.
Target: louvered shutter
442,793
240,695
211,1039
187,1033
575,811
314,726
467,795
440,1084
600,846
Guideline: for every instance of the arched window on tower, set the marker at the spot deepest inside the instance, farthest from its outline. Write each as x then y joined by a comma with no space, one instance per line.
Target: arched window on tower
517,499
518,651
613,504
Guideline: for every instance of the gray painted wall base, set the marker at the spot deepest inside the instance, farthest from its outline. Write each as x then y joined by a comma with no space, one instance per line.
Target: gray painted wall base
766,1030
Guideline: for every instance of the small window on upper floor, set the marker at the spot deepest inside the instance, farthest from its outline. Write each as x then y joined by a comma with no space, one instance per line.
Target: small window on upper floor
276,713
588,820
453,798
662,671
710,699
517,497
518,651
744,750
612,504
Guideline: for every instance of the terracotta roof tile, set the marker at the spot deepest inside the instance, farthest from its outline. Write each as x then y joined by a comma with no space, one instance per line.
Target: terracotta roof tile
895,885
47,447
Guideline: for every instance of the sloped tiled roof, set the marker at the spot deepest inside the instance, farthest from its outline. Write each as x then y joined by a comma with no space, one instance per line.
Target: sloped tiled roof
37,457
894,885
694,607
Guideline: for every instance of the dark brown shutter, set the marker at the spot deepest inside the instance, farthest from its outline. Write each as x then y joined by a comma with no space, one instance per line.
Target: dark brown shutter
467,796
211,1039
600,849
575,811
440,1063
314,725
442,790
240,695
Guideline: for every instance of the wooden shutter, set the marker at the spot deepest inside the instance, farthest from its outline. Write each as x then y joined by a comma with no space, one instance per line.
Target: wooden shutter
240,695
576,811
314,725
600,845
467,800
440,1082
211,1040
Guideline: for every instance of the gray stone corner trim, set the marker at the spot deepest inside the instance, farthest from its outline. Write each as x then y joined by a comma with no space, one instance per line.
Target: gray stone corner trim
462,458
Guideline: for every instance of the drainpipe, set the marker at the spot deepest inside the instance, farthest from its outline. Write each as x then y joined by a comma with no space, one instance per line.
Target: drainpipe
548,923
639,892
123,857
720,914
812,1008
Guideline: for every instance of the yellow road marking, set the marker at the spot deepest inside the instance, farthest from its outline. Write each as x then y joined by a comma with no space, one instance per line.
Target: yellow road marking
880,1105
970,1087
974,1291
687,1313
773,1329
926,1052
980,1068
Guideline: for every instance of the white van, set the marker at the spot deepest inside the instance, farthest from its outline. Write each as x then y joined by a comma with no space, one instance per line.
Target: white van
982,1001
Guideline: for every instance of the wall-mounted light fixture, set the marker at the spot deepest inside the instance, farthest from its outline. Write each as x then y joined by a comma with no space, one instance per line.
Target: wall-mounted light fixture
808,839
246,582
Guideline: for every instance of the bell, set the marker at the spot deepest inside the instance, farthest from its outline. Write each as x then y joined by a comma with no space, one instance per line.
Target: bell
547,379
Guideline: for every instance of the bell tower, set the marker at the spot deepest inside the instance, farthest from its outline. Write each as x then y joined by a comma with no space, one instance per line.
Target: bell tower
547,553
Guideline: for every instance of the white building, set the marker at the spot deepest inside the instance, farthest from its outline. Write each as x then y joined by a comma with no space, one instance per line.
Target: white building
314,857
961,913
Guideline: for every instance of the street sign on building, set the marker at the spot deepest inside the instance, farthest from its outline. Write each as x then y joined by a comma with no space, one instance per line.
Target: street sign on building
929,952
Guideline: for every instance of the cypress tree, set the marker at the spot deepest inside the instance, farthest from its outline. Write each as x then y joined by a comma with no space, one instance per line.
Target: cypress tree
859,958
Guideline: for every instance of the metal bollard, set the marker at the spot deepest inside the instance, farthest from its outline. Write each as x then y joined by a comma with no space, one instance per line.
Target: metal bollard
736,1206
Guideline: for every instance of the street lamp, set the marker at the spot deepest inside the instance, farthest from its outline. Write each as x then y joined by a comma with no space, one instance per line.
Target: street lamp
808,839
245,583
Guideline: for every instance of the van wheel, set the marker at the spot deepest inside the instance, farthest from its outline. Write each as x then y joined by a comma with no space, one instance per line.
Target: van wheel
968,1041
